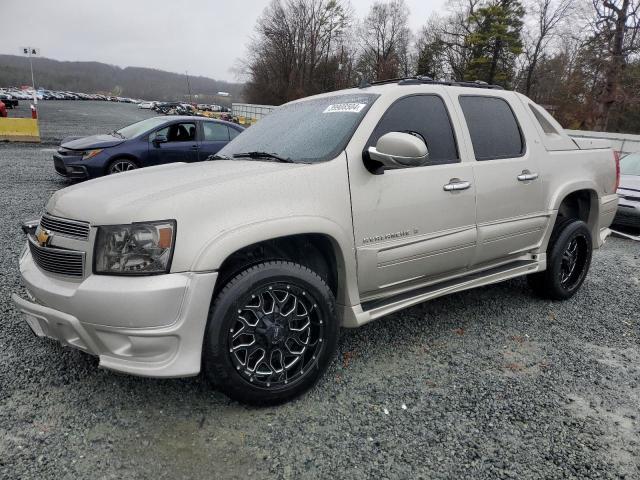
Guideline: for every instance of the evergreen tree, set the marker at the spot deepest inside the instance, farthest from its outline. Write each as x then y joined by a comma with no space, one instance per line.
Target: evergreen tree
495,42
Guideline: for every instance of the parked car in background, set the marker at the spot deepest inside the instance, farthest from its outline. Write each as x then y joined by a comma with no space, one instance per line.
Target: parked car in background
628,214
8,100
153,141
147,105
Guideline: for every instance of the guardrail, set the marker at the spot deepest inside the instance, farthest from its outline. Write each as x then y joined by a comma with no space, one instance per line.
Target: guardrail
622,142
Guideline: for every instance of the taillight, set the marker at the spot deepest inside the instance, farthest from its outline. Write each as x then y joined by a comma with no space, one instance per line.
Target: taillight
616,157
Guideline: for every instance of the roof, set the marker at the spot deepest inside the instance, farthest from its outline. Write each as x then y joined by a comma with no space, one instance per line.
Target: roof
171,118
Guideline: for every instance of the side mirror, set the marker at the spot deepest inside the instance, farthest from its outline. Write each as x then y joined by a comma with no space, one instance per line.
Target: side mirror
400,150
160,139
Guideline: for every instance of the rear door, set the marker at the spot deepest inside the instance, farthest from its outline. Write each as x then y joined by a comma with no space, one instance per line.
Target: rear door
215,135
511,215
407,227
181,145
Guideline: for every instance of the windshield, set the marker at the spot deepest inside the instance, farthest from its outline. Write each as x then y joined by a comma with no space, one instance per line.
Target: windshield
308,131
630,165
138,128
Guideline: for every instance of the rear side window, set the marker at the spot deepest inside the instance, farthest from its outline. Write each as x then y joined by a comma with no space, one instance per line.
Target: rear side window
233,133
493,127
215,132
427,116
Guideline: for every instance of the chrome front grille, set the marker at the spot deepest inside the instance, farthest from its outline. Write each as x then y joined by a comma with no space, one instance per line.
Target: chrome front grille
57,260
65,227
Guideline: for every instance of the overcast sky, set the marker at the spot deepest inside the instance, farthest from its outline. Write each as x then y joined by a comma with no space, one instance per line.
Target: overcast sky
205,37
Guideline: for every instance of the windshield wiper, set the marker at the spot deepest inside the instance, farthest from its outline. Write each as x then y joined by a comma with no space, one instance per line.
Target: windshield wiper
273,156
117,134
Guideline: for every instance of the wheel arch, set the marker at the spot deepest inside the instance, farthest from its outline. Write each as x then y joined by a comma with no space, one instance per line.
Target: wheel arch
579,201
297,239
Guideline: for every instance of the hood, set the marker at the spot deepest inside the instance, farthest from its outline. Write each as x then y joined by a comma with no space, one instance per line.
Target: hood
165,191
94,141
216,200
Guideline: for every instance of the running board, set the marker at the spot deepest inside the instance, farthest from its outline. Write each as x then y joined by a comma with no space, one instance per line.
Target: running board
378,308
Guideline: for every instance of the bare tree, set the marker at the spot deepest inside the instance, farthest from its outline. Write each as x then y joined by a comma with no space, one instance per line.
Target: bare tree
616,26
549,16
297,49
453,34
385,38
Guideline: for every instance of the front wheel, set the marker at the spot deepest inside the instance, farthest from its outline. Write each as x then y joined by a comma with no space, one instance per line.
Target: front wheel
568,260
121,165
271,333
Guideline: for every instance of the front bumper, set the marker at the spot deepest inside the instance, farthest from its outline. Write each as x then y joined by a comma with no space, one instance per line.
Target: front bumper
147,326
69,167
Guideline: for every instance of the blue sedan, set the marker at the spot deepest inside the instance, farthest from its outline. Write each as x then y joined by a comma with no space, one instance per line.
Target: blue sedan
153,141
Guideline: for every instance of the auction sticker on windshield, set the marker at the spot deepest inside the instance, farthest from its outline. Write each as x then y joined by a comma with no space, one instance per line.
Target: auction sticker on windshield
345,107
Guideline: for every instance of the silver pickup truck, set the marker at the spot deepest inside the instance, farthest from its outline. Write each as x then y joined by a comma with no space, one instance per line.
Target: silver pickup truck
332,211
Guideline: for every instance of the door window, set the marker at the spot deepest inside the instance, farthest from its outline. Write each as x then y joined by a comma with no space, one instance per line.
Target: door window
215,132
426,116
178,132
233,133
493,127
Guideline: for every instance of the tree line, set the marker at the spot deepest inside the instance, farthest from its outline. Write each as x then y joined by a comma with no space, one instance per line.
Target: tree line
578,58
96,77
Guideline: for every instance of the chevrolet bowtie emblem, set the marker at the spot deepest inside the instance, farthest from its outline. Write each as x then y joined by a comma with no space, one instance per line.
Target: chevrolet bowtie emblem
44,237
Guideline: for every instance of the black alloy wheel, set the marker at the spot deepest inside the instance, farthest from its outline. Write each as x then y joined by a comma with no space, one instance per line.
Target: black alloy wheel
568,259
277,336
271,333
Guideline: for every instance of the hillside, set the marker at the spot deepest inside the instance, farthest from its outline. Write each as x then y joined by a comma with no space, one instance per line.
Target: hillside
94,77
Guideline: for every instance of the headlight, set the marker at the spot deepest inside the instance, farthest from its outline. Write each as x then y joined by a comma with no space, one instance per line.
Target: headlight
89,154
135,249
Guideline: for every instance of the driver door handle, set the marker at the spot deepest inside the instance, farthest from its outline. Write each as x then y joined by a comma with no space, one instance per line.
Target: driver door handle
456,184
526,176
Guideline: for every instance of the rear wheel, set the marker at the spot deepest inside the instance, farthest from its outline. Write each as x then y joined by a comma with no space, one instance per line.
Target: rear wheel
271,333
120,165
568,260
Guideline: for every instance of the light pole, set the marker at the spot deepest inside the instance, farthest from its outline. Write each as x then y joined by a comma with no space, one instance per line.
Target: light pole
188,85
31,52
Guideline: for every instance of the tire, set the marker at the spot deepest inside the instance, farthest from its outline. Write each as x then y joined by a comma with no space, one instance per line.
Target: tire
568,260
298,345
120,165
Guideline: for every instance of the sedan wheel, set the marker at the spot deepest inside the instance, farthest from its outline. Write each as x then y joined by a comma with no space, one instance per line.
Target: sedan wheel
122,165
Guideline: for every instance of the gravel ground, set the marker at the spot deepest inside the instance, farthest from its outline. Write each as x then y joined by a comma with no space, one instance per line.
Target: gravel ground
490,383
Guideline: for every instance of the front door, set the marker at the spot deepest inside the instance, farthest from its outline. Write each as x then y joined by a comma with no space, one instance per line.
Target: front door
181,144
408,228
511,215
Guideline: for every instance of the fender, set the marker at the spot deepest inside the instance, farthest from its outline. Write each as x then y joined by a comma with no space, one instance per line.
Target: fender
216,250
572,186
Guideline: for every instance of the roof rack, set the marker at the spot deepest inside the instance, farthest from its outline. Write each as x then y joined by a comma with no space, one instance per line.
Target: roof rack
421,79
